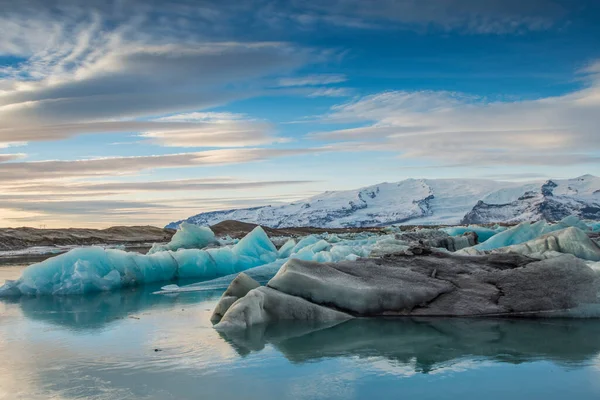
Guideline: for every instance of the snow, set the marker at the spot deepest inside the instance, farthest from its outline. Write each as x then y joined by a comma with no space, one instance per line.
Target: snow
188,236
93,269
416,201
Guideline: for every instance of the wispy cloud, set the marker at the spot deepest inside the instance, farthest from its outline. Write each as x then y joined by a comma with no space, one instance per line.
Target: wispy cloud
112,188
114,166
312,80
466,130
11,157
212,129
331,92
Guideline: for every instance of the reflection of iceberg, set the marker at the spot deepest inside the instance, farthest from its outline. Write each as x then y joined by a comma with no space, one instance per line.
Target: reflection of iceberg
95,310
95,269
425,344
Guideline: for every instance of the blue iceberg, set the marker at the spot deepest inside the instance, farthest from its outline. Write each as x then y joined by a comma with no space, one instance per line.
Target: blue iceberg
188,236
526,231
483,233
94,269
322,248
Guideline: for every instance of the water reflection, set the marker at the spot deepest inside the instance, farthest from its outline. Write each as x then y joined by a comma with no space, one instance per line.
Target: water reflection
95,310
428,343
48,341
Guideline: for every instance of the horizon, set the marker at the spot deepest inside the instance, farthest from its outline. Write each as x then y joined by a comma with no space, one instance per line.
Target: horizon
144,113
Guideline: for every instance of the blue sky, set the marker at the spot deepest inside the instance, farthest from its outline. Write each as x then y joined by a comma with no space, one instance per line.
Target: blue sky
143,112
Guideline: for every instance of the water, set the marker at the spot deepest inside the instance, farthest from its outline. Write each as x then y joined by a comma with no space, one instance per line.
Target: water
135,345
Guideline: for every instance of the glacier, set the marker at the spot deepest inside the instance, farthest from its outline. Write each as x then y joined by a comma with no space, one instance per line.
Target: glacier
93,269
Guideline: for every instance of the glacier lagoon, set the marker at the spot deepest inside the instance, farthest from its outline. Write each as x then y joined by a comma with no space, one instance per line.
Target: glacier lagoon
131,344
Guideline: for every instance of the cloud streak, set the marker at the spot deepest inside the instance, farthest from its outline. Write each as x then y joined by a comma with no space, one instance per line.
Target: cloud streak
464,130
115,166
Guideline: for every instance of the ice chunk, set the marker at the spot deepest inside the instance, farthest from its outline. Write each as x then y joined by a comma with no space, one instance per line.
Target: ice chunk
311,248
307,241
527,231
93,269
566,241
188,236
256,248
483,233
286,250
594,226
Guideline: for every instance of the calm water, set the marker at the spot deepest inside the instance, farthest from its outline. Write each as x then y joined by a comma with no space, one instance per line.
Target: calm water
105,347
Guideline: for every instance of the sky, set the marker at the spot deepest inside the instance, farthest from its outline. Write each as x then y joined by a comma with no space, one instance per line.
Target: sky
142,112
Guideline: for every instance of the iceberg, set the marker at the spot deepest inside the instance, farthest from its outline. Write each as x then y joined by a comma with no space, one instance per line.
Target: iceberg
188,236
286,250
594,226
526,231
554,244
94,269
321,248
483,233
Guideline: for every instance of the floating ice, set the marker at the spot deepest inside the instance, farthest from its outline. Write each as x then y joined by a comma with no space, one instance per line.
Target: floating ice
483,233
286,250
93,269
565,241
594,226
188,236
323,248
527,231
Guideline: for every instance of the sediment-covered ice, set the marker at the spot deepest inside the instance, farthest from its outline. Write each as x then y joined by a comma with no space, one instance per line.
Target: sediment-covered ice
93,269
188,236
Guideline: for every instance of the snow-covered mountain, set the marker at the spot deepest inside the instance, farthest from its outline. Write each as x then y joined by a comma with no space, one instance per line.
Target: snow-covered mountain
427,201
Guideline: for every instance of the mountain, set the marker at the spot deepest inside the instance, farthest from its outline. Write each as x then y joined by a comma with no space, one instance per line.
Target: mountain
426,202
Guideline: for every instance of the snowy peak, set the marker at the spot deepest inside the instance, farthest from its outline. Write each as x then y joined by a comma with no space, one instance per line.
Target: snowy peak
427,201
552,201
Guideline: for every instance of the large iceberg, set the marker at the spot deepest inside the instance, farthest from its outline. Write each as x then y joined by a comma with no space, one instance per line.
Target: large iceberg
94,269
321,248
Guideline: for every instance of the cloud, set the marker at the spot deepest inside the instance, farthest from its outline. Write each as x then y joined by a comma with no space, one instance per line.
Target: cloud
111,188
86,66
143,82
464,130
467,16
214,130
331,92
114,166
312,80
11,157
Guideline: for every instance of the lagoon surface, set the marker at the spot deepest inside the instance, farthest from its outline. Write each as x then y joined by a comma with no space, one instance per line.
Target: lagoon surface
135,345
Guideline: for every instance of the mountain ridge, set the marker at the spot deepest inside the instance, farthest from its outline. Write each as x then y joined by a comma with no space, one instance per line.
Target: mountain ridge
426,202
